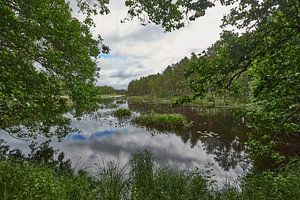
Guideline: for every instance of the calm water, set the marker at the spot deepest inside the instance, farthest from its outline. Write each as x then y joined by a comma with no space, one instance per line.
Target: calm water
214,143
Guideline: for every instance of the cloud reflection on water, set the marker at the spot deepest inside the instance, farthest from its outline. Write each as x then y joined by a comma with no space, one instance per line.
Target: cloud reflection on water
106,138
116,145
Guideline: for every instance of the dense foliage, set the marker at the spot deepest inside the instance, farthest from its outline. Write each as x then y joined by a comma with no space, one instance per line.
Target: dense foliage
25,180
176,81
105,90
47,57
260,58
268,56
169,83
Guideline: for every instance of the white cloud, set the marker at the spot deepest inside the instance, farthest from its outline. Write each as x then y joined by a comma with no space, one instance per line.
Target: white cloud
142,50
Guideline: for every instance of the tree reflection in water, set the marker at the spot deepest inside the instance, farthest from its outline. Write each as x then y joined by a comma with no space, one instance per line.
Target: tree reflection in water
221,132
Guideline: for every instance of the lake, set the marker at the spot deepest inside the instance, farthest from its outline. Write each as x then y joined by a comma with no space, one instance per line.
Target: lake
214,144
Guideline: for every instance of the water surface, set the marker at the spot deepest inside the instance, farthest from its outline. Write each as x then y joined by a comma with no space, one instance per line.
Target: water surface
213,144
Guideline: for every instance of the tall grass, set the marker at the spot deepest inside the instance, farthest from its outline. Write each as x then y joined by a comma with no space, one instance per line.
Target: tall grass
19,180
142,180
165,182
112,182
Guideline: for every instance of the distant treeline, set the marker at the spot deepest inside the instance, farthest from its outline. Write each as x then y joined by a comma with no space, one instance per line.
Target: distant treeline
169,83
103,90
174,82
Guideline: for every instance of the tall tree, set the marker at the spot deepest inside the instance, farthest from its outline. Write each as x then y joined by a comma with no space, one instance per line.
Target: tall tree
47,57
266,51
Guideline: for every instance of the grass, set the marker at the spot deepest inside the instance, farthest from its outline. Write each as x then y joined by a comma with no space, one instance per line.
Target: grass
162,120
151,99
122,113
164,182
143,180
217,102
20,180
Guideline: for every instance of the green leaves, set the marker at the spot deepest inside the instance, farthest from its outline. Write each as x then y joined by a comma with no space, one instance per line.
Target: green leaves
45,54
169,14
261,64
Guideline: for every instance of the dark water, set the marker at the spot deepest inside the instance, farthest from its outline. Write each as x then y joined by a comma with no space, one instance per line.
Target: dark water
214,143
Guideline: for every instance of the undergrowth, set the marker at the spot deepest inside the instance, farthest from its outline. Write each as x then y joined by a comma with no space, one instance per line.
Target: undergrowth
140,180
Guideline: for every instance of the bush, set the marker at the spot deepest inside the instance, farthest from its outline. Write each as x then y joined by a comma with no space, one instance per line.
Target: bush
284,184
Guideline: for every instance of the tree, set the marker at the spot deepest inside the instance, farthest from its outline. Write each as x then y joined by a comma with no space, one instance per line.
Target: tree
47,58
169,83
46,55
268,53
265,52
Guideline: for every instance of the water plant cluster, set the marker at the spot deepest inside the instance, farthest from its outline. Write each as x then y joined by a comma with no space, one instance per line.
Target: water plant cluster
162,120
142,179
122,113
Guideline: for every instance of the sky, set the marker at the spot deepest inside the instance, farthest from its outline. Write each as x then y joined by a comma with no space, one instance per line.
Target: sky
137,50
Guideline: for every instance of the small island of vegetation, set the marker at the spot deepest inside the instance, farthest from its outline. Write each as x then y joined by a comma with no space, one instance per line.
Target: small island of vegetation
122,113
169,121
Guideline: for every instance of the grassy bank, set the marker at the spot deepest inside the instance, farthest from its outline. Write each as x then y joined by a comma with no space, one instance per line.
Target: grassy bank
205,102
20,180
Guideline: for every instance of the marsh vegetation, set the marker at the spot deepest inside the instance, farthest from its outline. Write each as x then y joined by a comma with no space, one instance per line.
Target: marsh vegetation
171,121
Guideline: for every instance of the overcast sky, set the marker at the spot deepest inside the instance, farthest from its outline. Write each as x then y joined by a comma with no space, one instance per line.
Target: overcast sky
138,50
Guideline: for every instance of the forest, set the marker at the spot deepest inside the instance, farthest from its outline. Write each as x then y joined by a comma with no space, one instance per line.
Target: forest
49,98
169,83
110,90
175,82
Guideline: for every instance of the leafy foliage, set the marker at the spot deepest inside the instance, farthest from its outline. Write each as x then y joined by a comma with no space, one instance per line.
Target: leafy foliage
169,14
45,54
260,63
105,90
168,84
24,180
266,55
